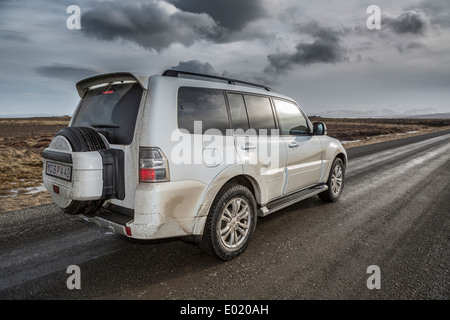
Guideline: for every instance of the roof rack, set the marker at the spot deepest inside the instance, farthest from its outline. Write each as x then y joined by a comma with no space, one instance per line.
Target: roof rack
176,73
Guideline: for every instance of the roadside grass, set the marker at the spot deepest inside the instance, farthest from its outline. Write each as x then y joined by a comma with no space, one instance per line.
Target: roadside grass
358,132
21,144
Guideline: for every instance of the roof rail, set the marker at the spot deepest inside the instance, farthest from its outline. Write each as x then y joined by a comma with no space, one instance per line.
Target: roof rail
176,73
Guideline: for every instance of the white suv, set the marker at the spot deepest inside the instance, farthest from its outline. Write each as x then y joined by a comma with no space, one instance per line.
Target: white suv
188,155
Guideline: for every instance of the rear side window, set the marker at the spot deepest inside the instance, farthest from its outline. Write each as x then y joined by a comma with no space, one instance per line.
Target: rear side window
260,113
202,104
238,111
111,110
292,121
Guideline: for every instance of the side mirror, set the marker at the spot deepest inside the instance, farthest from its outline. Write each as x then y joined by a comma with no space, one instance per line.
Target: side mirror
319,129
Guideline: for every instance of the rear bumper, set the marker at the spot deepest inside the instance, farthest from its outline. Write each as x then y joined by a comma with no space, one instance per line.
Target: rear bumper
162,210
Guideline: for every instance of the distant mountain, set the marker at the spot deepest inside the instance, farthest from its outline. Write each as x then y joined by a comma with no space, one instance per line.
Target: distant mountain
345,113
416,112
432,116
428,113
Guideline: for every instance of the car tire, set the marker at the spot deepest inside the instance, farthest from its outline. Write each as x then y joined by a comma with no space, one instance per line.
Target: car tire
335,182
231,222
82,139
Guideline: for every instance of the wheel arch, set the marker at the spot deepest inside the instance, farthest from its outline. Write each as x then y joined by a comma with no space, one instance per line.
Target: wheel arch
341,156
331,152
215,188
249,183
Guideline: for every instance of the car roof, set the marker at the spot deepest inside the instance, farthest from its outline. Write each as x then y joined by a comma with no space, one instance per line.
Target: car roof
186,79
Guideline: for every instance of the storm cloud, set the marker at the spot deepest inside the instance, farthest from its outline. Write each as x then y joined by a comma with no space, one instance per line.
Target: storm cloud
224,12
410,46
326,48
153,25
71,73
409,22
158,24
437,10
195,66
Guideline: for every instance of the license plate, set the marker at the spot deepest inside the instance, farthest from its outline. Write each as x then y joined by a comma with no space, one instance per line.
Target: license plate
59,171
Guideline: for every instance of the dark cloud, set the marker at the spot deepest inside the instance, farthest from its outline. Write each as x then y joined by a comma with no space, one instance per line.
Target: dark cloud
409,22
66,72
206,68
253,77
437,10
158,24
195,66
326,48
400,32
14,36
231,14
410,46
153,25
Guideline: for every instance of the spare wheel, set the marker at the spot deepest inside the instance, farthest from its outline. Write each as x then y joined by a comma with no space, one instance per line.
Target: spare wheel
78,139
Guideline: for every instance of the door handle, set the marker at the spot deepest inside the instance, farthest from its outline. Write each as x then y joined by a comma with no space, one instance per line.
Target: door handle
248,147
293,145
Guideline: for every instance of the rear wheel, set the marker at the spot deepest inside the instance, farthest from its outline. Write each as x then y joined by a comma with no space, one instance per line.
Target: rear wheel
335,182
231,222
80,139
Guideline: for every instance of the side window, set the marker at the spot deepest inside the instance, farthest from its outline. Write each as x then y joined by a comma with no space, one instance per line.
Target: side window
238,112
202,104
292,121
260,113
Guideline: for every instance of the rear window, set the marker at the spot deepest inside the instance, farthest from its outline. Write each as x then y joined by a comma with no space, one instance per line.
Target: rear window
111,110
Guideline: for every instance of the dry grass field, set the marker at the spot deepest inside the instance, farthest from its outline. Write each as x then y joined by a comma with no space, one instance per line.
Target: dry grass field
21,144
23,140
357,132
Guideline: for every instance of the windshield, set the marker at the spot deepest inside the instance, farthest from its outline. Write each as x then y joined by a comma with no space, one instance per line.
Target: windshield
111,109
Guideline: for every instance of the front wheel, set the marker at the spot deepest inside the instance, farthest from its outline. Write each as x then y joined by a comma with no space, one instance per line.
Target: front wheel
335,182
231,222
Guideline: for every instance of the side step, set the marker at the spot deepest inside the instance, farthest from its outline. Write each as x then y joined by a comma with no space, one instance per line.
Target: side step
286,201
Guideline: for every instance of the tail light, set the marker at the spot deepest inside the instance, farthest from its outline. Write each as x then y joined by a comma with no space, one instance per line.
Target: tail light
153,165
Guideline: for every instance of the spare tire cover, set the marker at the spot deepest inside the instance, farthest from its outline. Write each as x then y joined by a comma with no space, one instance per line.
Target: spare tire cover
78,139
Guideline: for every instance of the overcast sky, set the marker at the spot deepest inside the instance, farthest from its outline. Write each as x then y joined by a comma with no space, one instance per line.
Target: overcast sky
321,53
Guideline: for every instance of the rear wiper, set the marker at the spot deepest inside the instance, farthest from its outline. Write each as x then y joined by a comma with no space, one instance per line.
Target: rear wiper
104,125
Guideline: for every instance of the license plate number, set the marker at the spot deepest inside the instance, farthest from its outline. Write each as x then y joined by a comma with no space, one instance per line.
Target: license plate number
59,171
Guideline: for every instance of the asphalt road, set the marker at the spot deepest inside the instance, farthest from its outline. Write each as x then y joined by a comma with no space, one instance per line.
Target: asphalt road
394,214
